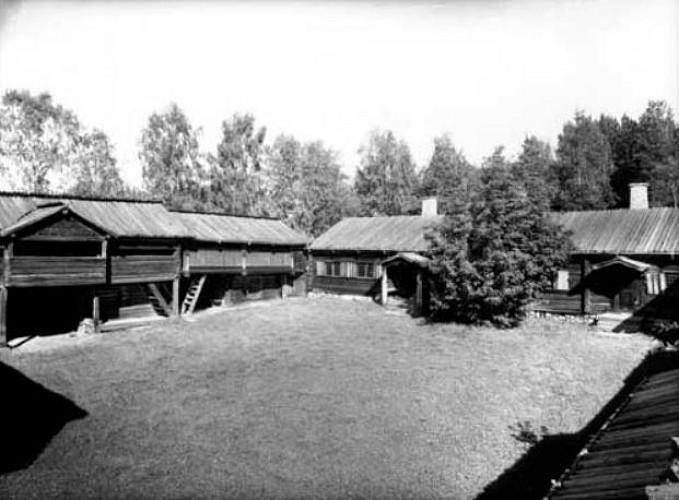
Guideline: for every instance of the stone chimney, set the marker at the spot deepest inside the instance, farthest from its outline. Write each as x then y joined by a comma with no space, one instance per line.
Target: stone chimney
429,208
638,195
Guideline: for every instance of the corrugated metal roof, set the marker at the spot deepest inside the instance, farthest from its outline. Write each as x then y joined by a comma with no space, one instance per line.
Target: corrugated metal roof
401,233
643,231
634,449
234,229
133,219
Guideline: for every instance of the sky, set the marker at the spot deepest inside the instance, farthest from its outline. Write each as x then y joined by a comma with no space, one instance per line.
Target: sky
487,72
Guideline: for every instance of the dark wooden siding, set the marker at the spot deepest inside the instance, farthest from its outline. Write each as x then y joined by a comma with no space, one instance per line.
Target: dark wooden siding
143,268
65,229
345,286
214,260
57,271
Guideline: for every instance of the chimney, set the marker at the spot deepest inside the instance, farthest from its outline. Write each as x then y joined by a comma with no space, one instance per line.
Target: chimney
429,207
638,195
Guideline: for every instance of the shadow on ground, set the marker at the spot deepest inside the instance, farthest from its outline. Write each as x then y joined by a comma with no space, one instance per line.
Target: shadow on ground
530,477
30,417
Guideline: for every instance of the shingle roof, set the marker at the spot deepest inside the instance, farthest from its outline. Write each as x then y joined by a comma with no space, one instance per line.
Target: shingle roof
643,231
220,228
634,449
401,233
119,218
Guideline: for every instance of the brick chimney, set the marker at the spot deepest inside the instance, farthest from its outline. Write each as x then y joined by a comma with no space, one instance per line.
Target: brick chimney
429,208
638,195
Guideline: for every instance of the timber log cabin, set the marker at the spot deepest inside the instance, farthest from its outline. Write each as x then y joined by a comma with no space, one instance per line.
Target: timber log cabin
67,258
376,256
624,261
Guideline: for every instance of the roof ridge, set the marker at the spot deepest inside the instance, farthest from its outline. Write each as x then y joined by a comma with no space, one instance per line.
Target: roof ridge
77,197
223,214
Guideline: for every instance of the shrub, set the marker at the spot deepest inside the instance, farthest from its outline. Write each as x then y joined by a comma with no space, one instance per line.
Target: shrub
495,252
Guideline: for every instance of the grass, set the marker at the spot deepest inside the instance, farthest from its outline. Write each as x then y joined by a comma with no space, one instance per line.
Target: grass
321,398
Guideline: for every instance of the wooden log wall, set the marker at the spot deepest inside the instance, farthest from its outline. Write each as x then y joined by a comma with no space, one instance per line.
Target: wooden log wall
143,268
345,286
56,271
212,260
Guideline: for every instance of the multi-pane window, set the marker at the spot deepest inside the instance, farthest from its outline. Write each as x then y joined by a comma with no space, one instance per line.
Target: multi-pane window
655,283
348,269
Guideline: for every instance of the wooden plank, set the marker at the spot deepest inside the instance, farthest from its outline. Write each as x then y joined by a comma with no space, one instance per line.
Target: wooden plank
175,296
142,279
383,288
586,293
634,493
52,280
159,297
95,314
3,315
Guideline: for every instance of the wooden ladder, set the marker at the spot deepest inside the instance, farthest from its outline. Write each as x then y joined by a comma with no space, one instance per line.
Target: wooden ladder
191,298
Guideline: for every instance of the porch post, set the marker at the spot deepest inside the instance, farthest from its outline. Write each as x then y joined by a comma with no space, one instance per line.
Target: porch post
7,263
586,306
95,314
418,292
3,316
383,286
175,296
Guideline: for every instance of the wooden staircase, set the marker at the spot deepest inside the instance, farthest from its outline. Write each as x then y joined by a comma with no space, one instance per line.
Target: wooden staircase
158,301
191,298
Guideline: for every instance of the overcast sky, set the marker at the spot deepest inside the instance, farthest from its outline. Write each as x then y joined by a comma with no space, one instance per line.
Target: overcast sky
487,72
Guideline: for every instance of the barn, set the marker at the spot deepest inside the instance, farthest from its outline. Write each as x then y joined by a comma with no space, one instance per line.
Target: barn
70,258
624,264
375,256
231,259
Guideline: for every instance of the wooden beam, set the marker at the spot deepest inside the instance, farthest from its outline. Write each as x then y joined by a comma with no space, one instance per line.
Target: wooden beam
95,314
159,297
3,316
7,262
586,298
175,296
384,290
418,293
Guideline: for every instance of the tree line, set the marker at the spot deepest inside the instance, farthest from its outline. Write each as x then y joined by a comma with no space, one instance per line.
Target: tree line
45,148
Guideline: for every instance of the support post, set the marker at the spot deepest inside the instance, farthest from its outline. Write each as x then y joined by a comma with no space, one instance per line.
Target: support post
175,296
418,293
383,286
586,297
3,316
95,314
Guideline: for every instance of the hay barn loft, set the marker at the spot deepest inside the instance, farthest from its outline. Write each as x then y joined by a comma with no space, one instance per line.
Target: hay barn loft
72,258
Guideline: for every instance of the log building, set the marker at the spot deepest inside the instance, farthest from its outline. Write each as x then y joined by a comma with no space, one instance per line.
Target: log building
624,261
375,256
66,258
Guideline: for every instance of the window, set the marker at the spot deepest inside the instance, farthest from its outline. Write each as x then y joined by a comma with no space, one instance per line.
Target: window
333,269
561,280
365,270
655,283
348,269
